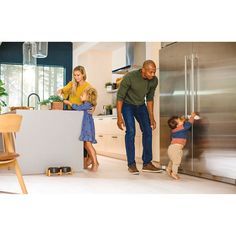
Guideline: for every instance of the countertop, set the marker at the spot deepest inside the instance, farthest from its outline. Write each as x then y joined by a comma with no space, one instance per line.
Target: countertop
104,116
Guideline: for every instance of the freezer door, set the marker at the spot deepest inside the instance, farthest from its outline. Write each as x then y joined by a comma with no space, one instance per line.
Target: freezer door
214,135
175,68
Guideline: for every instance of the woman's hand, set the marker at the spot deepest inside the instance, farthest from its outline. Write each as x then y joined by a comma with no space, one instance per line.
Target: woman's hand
67,102
59,91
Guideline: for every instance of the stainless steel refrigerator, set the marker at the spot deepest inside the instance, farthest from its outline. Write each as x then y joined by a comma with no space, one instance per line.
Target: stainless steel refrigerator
201,77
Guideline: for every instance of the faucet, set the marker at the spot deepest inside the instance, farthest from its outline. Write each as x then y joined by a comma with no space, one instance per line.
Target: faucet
30,96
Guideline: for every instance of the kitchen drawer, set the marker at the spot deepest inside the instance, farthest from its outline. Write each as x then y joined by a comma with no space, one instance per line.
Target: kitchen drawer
117,144
103,141
108,125
116,130
110,144
102,125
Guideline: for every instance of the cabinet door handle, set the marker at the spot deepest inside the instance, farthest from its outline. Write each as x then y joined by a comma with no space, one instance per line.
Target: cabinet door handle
100,119
114,118
114,136
100,136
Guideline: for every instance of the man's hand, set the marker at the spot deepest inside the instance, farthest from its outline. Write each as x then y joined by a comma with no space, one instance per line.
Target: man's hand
153,124
120,123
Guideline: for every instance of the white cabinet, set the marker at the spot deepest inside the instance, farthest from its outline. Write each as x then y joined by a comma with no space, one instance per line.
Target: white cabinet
111,140
117,145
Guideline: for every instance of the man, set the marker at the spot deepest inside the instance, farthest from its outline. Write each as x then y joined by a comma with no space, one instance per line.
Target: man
135,87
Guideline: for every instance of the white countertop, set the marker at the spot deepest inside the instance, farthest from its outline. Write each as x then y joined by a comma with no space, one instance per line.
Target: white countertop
105,116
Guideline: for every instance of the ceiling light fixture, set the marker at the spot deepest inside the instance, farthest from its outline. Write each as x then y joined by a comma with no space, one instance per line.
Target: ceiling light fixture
28,58
40,49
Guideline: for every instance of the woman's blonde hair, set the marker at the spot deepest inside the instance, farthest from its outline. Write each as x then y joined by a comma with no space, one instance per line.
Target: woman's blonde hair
91,95
74,82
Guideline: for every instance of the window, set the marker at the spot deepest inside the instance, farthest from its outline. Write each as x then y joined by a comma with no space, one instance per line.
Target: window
20,81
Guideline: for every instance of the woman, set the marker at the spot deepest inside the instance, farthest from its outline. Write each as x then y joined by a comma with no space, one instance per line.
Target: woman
72,92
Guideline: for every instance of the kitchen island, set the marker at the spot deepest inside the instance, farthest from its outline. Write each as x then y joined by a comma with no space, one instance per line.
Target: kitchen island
49,138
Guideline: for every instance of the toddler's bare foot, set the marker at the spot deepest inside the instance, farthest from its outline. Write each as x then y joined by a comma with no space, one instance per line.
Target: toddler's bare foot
168,171
94,167
175,176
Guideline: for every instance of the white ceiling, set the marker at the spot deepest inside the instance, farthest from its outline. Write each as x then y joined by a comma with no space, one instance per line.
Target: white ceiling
100,46
108,46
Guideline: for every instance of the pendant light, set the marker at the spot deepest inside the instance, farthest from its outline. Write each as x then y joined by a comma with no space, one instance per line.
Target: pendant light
40,49
28,58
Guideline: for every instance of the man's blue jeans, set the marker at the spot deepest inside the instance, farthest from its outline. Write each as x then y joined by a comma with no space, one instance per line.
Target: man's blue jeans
140,113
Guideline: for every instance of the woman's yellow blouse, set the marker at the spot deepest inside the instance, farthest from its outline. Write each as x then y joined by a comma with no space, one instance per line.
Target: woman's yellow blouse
66,91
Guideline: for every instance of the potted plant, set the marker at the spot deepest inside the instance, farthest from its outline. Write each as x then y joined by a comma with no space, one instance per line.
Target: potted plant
108,86
44,105
108,109
56,102
2,94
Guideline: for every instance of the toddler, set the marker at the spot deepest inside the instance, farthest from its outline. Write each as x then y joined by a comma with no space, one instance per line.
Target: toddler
89,99
179,134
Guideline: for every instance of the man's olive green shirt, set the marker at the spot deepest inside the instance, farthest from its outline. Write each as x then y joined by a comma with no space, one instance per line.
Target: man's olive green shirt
134,88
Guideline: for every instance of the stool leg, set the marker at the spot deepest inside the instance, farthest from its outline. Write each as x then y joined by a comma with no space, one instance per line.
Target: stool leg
20,178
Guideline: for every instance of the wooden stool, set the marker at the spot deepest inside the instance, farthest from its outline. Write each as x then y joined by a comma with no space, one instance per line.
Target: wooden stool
9,125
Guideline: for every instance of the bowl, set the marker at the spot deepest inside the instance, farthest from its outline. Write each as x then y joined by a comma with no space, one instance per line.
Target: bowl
65,169
54,170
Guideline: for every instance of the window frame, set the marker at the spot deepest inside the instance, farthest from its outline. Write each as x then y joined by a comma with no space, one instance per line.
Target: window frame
36,85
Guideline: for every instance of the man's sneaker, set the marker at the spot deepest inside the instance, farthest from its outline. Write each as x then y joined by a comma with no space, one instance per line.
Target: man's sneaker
133,169
151,168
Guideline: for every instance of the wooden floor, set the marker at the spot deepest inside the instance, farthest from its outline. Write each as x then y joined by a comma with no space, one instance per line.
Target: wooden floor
113,202
113,177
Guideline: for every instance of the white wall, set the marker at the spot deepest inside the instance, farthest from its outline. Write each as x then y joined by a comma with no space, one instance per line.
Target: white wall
152,53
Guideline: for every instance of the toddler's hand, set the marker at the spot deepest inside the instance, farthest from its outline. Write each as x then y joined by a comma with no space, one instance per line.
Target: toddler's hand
91,111
193,114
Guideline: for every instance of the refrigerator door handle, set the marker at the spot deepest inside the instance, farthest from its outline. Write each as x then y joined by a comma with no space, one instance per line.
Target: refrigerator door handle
196,84
192,84
185,87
